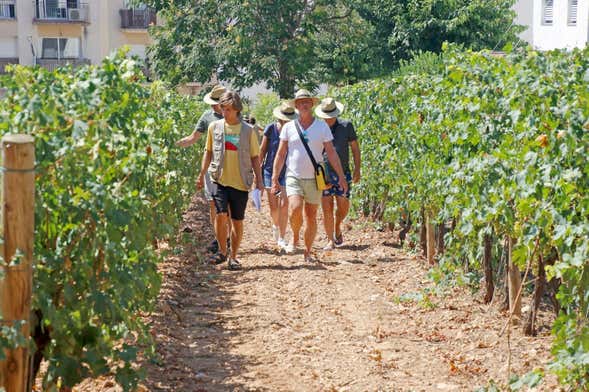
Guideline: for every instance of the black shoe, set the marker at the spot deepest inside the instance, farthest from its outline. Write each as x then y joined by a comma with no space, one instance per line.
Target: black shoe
234,265
217,258
213,247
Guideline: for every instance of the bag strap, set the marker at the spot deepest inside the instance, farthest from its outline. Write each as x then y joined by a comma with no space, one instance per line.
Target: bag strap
313,161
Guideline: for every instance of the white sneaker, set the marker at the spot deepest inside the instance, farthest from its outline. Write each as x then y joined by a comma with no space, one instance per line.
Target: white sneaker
329,246
282,244
275,233
290,248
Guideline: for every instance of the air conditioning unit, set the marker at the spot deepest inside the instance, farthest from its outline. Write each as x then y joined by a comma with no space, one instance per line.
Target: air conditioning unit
74,14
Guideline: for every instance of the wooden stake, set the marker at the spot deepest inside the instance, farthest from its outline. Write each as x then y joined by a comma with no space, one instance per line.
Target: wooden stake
430,235
488,268
514,281
18,196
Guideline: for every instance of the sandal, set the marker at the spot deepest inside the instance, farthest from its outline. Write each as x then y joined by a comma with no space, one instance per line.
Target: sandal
234,265
217,258
310,259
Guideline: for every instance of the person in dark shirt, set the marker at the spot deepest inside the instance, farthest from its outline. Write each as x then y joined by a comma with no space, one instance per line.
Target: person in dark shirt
202,125
344,140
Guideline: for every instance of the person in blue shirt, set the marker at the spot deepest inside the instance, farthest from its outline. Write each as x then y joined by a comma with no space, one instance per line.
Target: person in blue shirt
270,141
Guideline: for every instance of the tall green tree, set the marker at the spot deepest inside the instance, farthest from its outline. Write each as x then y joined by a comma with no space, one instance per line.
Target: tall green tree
242,42
307,42
410,26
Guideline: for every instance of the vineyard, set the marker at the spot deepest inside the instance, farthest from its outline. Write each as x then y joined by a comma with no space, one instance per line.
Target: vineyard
492,150
109,184
479,159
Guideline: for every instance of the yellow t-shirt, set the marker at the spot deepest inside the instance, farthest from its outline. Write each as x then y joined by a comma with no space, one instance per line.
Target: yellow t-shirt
231,175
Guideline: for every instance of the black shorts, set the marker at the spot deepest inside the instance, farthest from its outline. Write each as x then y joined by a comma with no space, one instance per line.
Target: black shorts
226,196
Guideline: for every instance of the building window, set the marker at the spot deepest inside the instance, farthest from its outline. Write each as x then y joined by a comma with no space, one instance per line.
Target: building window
60,48
548,13
8,48
7,9
572,17
55,9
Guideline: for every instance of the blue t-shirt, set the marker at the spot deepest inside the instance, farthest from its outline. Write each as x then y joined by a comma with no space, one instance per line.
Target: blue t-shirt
273,136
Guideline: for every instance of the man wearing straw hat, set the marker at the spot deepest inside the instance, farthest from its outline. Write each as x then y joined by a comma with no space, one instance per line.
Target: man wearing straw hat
344,139
301,188
270,141
213,114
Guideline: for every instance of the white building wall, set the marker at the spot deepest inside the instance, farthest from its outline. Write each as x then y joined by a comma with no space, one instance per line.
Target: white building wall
525,17
559,35
100,37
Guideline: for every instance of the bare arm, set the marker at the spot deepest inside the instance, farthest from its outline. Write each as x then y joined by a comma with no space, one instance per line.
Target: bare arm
256,165
336,164
206,161
357,162
279,164
189,140
263,149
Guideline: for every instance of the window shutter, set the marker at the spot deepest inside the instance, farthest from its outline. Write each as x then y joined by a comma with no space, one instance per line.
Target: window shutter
548,14
572,18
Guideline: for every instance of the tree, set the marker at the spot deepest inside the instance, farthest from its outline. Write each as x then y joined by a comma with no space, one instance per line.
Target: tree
242,42
307,42
410,26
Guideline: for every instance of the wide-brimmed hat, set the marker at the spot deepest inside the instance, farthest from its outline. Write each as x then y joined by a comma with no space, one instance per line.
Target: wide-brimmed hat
329,108
212,98
302,94
285,112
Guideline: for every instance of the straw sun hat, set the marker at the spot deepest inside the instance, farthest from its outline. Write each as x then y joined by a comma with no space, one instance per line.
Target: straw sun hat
303,94
329,108
212,98
285,112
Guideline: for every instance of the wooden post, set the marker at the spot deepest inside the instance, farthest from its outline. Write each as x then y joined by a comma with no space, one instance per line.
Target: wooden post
515,281
17,225
488,268
441,234
430,235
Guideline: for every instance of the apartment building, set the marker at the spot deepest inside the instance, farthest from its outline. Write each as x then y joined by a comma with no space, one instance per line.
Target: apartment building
553,24
52,33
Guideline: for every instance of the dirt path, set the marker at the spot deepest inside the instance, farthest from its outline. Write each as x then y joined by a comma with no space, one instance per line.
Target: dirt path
361,320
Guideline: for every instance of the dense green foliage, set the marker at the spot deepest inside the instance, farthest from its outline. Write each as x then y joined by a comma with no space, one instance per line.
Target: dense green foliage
499,146
405,27
262,110
300,43
109,184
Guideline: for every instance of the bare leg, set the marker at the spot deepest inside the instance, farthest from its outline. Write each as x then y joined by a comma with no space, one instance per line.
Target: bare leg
221,232
310,226
236,236
296,217
327,207
283,212
343,206
212,212
229,222
273,202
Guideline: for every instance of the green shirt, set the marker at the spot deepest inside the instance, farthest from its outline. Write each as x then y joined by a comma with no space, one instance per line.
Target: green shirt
206,119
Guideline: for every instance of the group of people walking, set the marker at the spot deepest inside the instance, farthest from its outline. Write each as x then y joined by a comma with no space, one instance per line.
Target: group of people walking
307,131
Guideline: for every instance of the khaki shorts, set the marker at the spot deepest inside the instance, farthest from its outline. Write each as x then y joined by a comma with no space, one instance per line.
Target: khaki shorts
306,187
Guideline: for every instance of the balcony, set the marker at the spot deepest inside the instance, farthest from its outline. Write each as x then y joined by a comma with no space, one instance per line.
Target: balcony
137,19
7,9
6,61
60,11
53,64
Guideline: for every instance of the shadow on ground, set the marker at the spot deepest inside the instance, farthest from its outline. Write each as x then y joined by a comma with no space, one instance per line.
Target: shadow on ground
193,351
